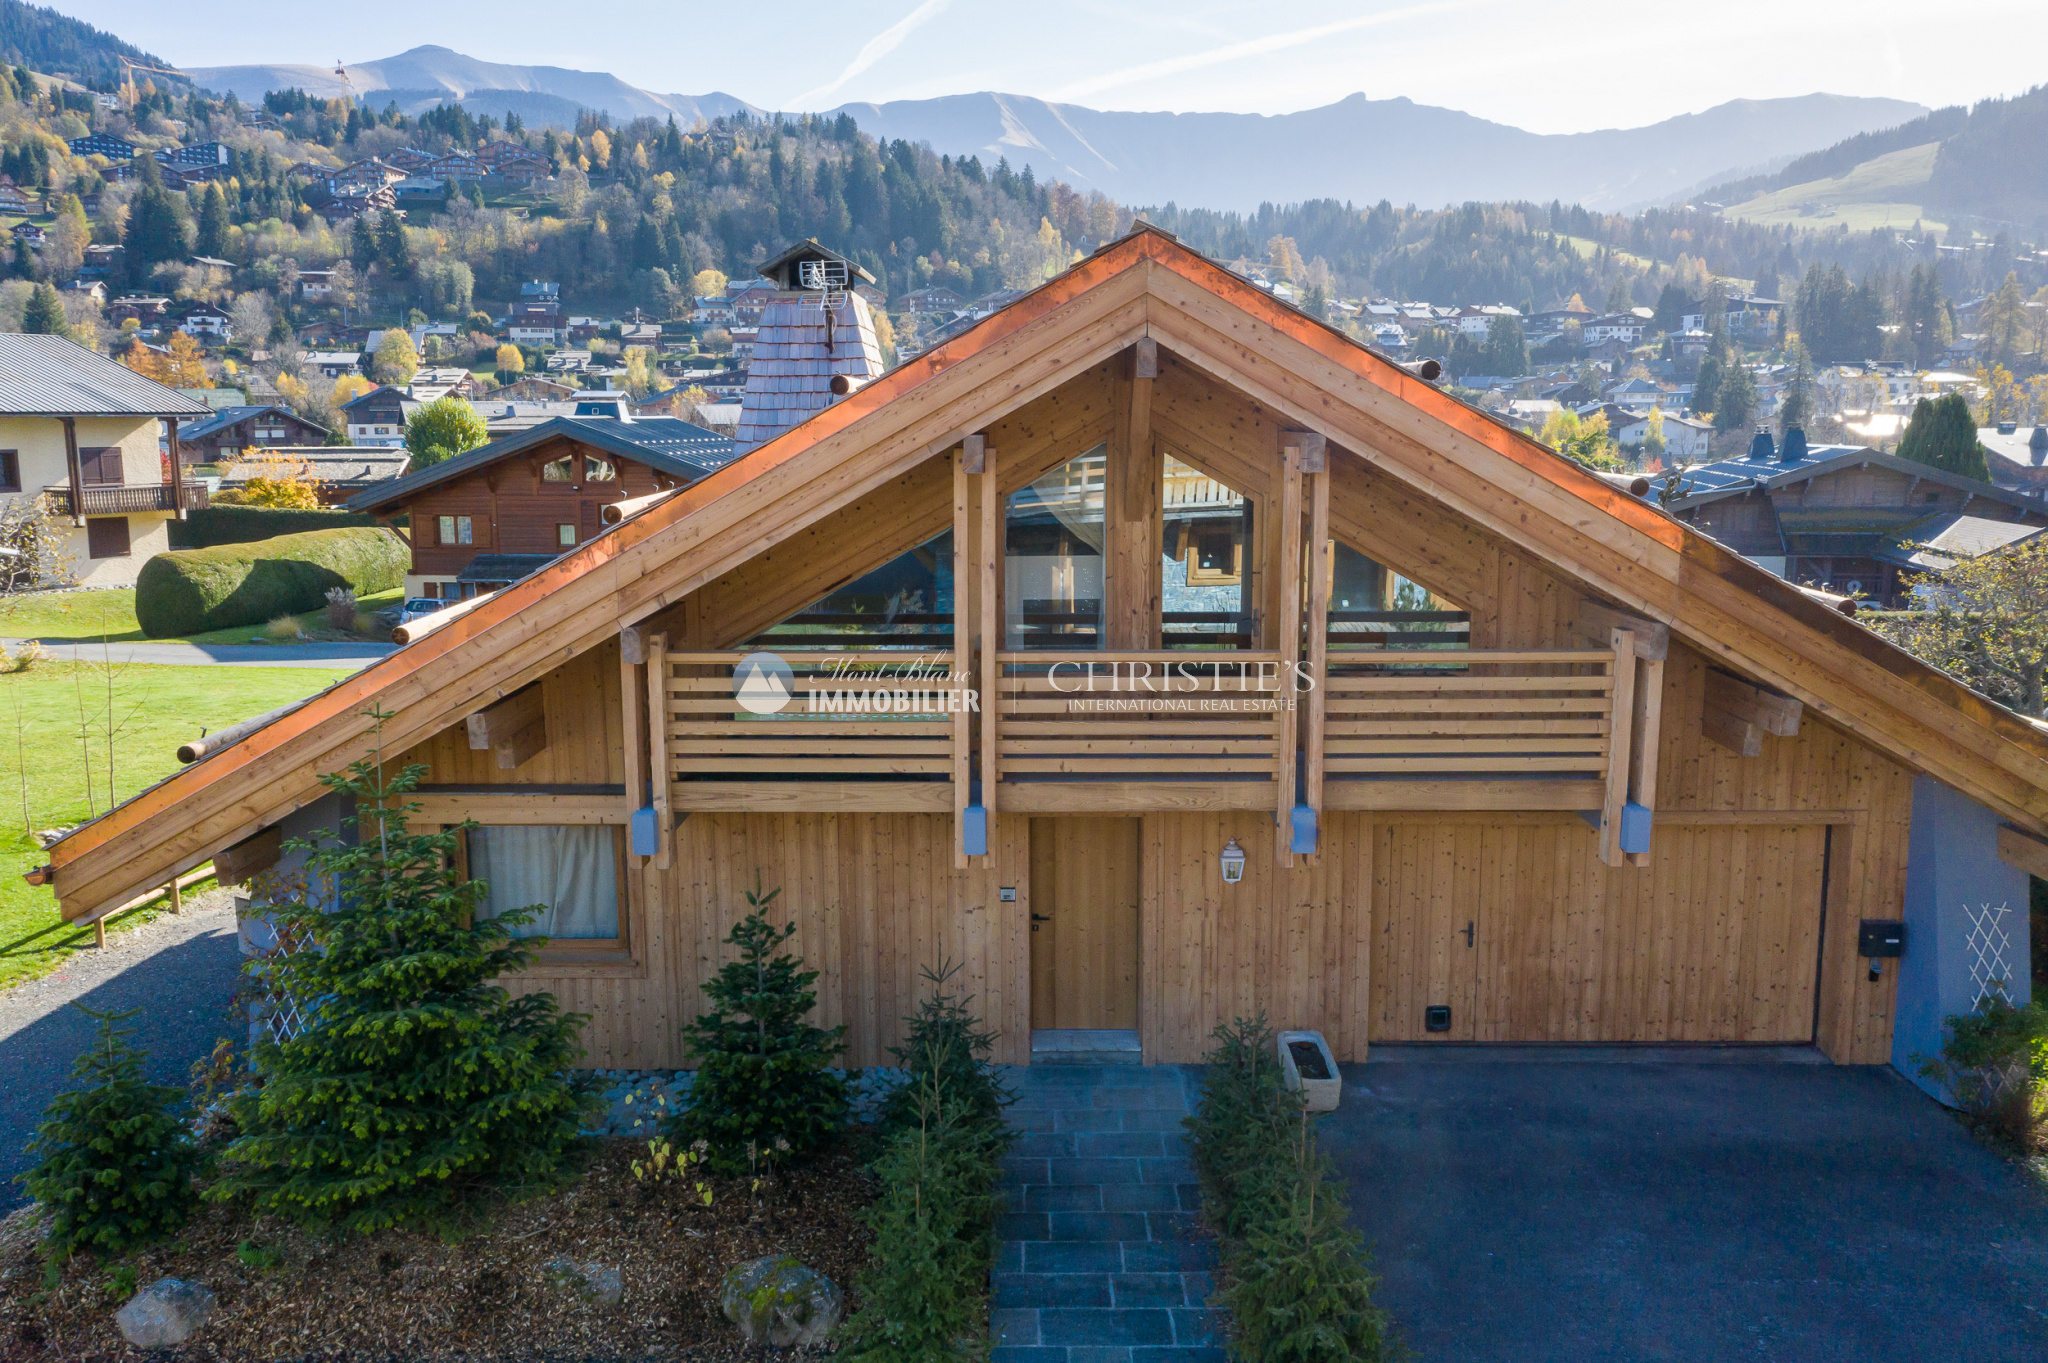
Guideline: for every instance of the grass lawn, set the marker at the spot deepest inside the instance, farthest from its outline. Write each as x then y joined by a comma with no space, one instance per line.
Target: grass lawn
110,612
50,777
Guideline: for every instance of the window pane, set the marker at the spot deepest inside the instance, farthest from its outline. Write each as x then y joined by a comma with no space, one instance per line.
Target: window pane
462,530
1207,540
556,471
572,873
907,602
447,530
565,534
597,470
1052,572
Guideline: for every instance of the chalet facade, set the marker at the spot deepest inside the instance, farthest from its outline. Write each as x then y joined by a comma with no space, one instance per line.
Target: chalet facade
379,416
83,434
232,432
1841,517
494,514
1158,655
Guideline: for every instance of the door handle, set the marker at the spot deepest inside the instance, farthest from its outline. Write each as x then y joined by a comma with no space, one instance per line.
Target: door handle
1468,935
1041,918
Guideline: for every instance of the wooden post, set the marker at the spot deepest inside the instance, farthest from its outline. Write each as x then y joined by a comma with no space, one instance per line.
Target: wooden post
989,627
1131,505
177,896
963,653
71,469
633,698
99,933
177,472
1320,565
1649,724
657,723
1620,727
1287,563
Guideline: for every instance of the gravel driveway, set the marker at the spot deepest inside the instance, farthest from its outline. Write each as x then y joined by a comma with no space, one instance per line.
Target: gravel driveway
180,970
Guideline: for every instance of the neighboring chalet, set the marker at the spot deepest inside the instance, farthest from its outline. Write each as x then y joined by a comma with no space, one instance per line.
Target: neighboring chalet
1619,785
2016,456
82,432
231,431
337,472
378,417
496,513
1840,517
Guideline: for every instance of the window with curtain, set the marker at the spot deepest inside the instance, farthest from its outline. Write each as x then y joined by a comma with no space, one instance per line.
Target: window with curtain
572,872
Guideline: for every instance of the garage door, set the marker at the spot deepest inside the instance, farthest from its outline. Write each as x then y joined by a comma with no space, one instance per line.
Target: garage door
1516,932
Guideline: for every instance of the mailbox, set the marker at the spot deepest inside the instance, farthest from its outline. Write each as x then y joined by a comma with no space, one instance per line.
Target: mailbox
1881,938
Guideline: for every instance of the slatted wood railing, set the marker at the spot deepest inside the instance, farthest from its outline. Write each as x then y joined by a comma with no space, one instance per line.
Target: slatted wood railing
890,719
1140,716
1425,712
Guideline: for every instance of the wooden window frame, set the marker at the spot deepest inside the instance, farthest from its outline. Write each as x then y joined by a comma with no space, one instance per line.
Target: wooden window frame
1199,576
92,466
10,470
623,957
448,530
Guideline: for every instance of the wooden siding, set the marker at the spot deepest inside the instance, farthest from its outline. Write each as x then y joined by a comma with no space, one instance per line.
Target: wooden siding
585,727
514,511
1085,875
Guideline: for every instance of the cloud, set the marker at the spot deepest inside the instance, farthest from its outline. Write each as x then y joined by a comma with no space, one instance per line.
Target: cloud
1250,47
876,48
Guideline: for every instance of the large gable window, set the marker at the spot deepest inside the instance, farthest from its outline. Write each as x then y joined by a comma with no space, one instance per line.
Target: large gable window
1052,565
1207,539
907,602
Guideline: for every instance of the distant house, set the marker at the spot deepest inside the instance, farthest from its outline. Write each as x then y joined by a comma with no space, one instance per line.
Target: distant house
710,311
100,260
2017,456
536,316
147,309
81,432
535,388
332,364
1686,438
496,513
514,164
231,432
103,144
198,319
430,384
1624,327
196,156
316,285
338,472
378,417
354,200
14,200
935,299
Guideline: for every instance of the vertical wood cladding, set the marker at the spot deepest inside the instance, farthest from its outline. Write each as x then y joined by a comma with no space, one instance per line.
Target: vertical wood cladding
514,510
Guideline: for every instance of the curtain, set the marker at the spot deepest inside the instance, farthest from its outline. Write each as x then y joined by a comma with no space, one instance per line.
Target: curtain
572,872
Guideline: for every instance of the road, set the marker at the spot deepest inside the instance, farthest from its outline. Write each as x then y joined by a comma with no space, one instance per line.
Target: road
215,655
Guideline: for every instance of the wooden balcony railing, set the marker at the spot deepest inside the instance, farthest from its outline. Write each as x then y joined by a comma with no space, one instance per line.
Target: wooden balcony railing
124,501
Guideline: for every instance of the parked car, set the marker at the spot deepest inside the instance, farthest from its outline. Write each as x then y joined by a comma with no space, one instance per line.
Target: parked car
417,606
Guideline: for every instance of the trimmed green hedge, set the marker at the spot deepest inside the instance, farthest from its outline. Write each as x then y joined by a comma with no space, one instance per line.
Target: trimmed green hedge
189,590
211,525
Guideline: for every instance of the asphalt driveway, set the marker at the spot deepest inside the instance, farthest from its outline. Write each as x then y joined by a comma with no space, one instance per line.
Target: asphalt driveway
1570,1207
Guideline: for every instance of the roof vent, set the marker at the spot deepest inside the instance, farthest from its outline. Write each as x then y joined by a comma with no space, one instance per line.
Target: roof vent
2008,427
1795,446
2038,443
1763,449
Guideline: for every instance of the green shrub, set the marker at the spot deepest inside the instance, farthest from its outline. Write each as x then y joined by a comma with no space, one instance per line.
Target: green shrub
762,1091
116,1163
211,525
190,590
1297,1280
922,1296
1994,1063
419,1090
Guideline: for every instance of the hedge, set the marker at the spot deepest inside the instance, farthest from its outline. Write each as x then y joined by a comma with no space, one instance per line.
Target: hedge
189,590
211,525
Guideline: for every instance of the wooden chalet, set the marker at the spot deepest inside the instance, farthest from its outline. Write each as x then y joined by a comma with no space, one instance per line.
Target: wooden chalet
1159,655
493,514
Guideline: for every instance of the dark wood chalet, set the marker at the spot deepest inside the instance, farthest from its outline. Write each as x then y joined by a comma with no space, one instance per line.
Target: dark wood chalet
494,514
232,432
1157,655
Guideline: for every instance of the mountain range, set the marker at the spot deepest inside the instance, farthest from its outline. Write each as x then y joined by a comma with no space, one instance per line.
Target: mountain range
1358,148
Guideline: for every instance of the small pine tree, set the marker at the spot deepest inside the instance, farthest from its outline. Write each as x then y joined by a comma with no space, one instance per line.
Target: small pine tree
420,1089
1942,434
117,1160
762,1090
1238,1131
921,1296
44,313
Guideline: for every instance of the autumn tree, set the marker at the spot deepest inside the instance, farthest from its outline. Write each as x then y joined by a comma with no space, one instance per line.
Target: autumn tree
395,361
511,362
1989,623
443,429
2003,322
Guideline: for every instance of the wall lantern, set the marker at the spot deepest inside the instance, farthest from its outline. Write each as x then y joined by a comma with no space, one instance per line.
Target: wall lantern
1233,862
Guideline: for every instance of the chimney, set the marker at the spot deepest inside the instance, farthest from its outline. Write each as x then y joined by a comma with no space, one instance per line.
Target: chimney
1762,449
1795,446
2038,443
816,342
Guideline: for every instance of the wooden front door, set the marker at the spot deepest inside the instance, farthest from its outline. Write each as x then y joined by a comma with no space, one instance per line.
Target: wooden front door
1521,932
1084,923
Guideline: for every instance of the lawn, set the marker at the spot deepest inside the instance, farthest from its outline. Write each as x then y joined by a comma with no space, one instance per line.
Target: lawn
110,613
57,765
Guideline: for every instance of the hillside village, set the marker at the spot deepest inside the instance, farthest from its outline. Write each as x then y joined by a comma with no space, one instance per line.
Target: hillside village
671,737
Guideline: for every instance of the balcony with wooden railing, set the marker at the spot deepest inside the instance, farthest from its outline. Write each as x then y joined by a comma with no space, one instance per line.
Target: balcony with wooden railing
117,500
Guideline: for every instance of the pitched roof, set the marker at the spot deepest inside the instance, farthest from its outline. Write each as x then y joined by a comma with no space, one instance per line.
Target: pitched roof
1734,477
798,350
228,416
1144,284
664,443
334,465
1948,538
50,376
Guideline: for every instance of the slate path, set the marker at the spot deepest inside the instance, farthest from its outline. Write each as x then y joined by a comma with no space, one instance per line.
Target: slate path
1103,1256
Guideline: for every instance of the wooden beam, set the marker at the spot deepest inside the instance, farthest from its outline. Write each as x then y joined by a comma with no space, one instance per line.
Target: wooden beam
251,856
1618,744
1774,712
1314,447
177,472
1132,492
664,779
633,711
515,729
1737,735
964,631
1645,742
1597,620
72,472
974,451
1145,358
1320,567
633,645
989,626
2023,851
1287,563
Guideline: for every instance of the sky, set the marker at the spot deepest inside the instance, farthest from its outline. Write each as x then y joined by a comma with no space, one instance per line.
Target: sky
1556,66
